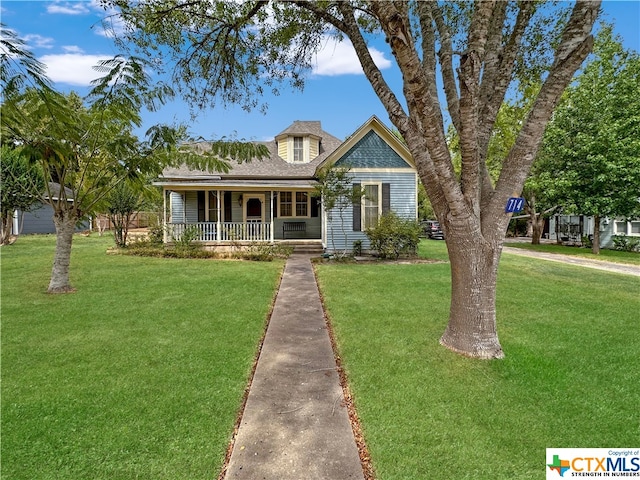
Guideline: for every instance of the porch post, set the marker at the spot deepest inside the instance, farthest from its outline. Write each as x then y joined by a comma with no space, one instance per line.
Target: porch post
164,215
218,223
272,225
16,223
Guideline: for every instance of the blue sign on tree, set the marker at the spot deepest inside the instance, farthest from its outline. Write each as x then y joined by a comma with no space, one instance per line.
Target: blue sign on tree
514,204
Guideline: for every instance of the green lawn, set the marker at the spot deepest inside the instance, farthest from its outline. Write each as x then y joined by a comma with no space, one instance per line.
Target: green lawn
571,376
616,256
140,374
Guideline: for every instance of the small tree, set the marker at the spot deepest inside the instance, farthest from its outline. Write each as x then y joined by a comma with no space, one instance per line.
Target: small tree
21,188
122,203
335,188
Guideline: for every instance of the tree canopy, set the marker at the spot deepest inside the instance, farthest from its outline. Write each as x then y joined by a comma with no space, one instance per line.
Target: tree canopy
590,160
233,51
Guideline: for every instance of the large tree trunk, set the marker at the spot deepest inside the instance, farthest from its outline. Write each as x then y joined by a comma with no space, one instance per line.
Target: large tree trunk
65,223
471,330
537,222
595,244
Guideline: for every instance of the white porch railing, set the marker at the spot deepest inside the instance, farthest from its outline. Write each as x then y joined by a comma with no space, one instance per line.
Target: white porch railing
229,231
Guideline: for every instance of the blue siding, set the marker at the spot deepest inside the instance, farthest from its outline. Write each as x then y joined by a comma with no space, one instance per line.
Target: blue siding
37,221
606,234
177,207
40,220
191,206
403,193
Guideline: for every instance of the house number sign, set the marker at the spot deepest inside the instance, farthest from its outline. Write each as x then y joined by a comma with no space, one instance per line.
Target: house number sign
514,204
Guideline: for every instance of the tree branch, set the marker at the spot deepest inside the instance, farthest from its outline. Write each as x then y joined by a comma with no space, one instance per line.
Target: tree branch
498,70
471,64
495,82
576,44
424,131
445,55
428,45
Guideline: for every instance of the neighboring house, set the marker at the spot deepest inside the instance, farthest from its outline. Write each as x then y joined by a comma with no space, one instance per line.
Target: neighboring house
272,200
571,228
40,219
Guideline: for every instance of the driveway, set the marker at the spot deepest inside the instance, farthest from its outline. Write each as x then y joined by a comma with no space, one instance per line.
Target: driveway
583,262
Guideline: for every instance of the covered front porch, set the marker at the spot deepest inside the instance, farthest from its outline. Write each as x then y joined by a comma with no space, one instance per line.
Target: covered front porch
235,216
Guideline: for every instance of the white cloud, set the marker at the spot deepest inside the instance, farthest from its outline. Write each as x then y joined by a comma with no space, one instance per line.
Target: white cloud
72,68
38,41
72,49
339,58
68,8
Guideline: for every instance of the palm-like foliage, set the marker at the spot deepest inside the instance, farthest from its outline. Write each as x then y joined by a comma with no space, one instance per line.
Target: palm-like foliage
88,146
19,68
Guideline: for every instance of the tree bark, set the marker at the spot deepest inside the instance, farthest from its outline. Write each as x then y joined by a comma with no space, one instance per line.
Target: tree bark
472,330
595,244
65,223
5,236
537,223
536,220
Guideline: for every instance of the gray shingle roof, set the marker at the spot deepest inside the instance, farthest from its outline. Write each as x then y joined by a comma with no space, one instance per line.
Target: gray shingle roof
272,167
300,127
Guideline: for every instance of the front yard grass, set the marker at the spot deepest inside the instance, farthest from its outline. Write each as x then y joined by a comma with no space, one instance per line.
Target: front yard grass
140,374
570,377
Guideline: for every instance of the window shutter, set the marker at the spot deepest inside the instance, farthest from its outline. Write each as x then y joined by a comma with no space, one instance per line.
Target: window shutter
357,209
274,206
315,207
227,206
200,196
386,198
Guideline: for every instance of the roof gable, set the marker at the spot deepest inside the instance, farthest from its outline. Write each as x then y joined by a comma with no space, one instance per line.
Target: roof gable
371,151
373,146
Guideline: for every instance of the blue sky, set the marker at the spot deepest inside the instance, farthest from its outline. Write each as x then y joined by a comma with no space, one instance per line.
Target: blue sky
69,39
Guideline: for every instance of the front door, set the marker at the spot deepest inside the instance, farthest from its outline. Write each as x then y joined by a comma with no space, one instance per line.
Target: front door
254,217
254,209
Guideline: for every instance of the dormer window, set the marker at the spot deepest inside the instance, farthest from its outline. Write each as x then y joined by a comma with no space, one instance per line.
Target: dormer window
300,142
298,149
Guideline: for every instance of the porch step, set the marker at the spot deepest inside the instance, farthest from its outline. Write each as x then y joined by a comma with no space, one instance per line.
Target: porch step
307,248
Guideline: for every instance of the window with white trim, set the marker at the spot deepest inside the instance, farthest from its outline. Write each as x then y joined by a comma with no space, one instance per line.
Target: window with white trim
371,205
627,228
286,206
298,149
302,204
294,204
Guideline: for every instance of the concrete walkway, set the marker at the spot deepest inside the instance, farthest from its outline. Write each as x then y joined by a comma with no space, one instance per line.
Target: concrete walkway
295,424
